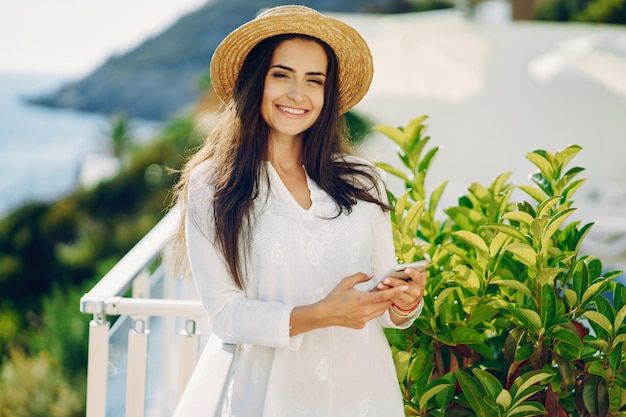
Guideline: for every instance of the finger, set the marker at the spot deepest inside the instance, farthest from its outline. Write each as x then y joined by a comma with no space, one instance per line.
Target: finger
416,276
389,293
391,282
352,280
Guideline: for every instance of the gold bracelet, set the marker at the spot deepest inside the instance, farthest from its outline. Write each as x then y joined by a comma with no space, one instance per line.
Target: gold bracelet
405,315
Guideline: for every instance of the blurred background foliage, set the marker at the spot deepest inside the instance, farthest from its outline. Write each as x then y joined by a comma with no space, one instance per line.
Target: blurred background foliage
595,11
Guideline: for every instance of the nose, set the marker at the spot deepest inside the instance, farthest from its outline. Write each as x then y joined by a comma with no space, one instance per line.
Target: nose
295,91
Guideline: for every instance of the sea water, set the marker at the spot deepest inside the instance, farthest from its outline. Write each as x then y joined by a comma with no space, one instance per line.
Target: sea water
42,150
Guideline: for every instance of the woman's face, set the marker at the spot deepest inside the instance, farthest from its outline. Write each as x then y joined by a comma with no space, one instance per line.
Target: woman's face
293,93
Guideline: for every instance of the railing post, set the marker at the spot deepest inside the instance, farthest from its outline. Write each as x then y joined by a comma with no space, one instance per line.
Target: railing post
97,366
137,366
141,285
189,346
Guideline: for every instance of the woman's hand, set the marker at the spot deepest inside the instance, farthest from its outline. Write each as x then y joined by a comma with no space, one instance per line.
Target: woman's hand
409,299
345,306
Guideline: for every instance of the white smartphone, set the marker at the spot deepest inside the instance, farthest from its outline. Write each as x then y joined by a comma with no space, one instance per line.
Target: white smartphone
398,272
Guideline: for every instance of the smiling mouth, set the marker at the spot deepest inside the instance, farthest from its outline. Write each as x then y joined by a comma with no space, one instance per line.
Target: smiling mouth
291,110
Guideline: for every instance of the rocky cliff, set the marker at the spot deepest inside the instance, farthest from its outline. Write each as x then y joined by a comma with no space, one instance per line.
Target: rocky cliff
159,78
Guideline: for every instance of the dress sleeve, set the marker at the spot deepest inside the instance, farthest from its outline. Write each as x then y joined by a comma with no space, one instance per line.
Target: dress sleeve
383,257
232,315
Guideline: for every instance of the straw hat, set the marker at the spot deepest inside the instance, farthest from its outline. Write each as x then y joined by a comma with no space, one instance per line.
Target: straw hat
355,60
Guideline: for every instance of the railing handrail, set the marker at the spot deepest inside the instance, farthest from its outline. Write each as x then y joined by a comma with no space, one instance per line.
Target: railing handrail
153,306
119,279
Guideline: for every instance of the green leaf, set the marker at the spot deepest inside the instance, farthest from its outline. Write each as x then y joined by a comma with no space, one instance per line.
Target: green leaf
474,240
528,379
427,159
401,361
571,297
563,157
467,277
548,275
393,171
481,193
504,399
548,306
569,191
445,336
518,216
596,368
528,318
396,338
466,336
535,193
566,336
434,389
442,297
499,183
414,126
592,291
422,365
619,318
600,320
524,253
604,307
492,386
590,394
615,357
554,225
530,408
511,283
507,229
497,243
474,393
580,280
568,379
523,395
435,197
393,133
401,205
544,208
412,218
543,163
542,183
481,315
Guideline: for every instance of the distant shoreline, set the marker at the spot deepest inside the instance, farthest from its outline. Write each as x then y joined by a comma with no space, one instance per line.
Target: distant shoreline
43,149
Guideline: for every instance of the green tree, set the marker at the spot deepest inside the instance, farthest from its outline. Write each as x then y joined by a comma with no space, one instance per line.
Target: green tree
119,132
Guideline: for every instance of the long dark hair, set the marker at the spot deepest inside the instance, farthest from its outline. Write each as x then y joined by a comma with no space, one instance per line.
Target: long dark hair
239,145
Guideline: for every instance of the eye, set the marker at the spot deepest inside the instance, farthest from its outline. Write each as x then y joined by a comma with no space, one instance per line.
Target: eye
279,74
316,81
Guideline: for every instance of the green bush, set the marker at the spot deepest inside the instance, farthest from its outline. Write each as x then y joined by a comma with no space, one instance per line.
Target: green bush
36,387
62,330
515,321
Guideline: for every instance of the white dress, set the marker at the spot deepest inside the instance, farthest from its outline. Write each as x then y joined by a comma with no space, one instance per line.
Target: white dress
297,257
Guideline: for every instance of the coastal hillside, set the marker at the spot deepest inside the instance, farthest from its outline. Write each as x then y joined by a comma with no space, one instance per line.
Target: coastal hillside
159,78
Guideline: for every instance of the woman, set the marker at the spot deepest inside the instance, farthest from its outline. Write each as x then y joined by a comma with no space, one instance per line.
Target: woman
284,227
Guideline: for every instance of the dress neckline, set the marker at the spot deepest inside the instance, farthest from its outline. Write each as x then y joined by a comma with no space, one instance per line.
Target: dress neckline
285,190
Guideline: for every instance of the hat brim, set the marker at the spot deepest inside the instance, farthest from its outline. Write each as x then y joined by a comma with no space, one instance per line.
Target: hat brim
354,57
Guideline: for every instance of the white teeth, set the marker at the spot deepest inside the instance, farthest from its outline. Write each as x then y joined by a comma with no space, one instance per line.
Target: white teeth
291,111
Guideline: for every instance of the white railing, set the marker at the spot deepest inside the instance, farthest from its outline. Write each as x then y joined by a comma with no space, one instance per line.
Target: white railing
140,313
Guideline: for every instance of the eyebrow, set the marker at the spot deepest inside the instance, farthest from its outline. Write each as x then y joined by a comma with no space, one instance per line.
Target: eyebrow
286,68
